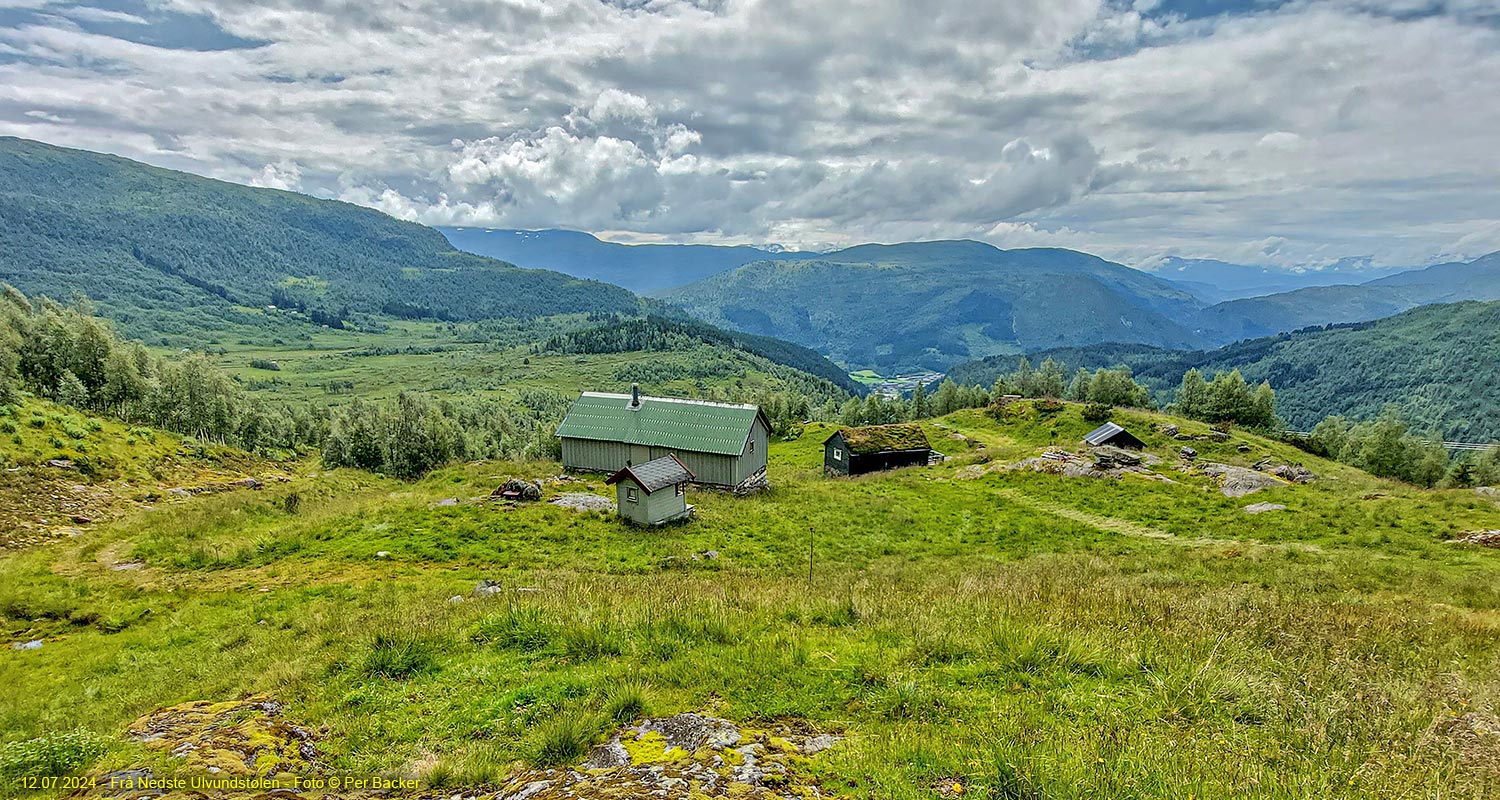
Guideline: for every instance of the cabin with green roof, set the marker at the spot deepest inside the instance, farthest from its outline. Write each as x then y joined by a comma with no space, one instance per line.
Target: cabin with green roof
722,444
855,451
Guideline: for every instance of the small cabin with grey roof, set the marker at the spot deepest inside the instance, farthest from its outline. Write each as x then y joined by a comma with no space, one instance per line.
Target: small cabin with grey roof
653,493
722,444
1113,435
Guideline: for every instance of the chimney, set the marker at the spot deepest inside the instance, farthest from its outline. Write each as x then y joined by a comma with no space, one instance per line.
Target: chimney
635,397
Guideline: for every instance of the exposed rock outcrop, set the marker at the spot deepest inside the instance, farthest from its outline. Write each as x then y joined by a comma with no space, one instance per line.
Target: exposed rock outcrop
1239,481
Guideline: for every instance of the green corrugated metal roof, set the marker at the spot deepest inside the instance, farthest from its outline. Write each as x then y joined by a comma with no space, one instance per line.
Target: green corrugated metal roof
691,425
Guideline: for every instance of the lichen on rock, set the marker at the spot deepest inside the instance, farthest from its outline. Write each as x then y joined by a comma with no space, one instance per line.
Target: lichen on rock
234,738
685,757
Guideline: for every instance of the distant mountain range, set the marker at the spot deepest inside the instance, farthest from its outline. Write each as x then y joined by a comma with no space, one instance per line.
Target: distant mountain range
641,268
1218,281
1437,362
1290,311
928,305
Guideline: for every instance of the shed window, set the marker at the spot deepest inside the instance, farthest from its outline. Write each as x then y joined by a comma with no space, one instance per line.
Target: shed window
752,445
679,489
630,494
838,455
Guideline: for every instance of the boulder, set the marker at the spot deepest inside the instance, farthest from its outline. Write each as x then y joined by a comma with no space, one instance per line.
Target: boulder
1481,538
1261,508
518,489
1188,453
1488,491
1170,430
248,483
583,501
1239,481
1291,473
1107,457
487,588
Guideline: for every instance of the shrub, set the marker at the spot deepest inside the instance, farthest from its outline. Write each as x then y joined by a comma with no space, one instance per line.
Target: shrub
399,656
563,739
516,628
1048,407
51,754
626,701
1098,412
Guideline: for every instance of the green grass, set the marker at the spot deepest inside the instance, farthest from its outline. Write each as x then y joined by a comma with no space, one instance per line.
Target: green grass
1029,635
466,359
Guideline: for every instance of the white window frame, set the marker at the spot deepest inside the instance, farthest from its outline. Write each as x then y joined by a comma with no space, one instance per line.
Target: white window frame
838,455
679,489
631,495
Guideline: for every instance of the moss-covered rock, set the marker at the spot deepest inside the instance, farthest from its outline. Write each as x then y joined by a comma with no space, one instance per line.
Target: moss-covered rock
234,738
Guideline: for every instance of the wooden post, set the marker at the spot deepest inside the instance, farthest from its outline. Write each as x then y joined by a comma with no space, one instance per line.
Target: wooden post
810,531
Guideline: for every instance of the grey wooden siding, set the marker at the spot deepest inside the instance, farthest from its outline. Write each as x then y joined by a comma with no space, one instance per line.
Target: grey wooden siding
648,508
708,468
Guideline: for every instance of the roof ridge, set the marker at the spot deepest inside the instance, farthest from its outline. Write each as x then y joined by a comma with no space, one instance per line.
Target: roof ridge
644,397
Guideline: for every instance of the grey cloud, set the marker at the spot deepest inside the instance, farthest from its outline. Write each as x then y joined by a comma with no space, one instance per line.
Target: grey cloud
1331,126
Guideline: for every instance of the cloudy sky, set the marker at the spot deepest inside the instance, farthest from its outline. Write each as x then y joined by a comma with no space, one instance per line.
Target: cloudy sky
1258,131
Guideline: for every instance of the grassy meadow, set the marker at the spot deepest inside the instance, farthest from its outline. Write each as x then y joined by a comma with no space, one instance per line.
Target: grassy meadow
1022,635
488,359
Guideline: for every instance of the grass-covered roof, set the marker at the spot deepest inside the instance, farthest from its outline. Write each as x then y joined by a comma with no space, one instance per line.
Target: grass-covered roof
880,438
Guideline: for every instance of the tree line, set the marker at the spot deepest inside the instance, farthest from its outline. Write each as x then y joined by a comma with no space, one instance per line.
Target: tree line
68,355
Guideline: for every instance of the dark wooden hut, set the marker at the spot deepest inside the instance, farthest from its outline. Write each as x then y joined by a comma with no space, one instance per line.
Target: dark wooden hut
1113,435
855,451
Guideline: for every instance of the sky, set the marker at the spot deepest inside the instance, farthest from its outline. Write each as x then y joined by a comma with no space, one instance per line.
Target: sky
1282,132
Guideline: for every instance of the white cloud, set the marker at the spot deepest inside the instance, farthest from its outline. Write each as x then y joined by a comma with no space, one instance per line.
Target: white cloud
1324,127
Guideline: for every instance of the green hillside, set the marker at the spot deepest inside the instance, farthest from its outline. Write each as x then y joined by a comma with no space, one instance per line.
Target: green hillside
929,305
1005,632
163,251
1437,363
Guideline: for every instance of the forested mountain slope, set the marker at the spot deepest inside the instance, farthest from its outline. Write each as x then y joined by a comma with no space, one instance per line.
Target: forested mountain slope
153,245
933,304
1436,362
640,268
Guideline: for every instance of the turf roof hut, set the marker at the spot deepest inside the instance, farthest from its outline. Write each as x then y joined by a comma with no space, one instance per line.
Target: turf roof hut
653,493
722,444
1113,435
854,451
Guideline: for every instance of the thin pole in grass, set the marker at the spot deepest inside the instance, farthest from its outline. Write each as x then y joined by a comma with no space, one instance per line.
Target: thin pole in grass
810,531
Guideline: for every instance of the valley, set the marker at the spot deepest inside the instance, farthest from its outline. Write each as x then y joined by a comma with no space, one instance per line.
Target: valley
255,522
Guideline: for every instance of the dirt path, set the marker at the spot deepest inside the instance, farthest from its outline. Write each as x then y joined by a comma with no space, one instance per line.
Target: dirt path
1108,524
